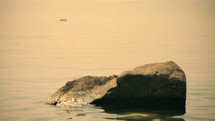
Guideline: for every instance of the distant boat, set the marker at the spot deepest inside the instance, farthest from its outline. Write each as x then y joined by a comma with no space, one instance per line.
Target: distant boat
63,19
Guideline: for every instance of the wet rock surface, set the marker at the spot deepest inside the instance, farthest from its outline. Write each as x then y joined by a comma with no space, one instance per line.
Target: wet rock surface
81,91
157,85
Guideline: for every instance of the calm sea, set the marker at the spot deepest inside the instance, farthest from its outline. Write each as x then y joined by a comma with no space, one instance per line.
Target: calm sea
34,67
39,53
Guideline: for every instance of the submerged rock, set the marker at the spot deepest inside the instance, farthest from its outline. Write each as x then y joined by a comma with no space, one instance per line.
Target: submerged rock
158,85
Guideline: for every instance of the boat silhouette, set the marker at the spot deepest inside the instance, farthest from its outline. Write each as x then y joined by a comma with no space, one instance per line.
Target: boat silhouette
63,19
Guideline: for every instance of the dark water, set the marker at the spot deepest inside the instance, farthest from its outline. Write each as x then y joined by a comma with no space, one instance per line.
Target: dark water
39,53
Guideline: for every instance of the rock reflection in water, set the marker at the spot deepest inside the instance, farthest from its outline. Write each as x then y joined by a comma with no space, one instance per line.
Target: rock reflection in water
138,114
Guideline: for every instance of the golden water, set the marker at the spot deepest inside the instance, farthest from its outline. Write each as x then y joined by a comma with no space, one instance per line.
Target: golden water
39,53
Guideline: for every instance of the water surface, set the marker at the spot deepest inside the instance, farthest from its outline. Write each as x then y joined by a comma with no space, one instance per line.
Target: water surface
39,53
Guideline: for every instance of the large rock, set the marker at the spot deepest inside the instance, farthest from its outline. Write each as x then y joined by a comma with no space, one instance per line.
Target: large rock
158,85
81,91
